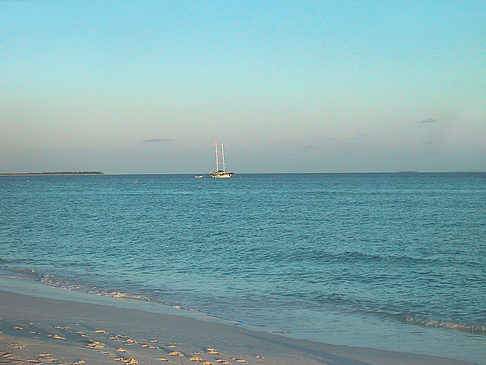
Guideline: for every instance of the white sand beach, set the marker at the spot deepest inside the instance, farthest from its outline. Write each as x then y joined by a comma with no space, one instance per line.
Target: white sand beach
39,330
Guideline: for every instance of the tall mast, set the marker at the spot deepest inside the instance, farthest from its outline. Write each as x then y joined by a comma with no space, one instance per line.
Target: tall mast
222,154
216,153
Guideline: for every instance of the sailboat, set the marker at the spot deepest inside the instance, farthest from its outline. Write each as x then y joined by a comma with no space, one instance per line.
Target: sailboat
220,174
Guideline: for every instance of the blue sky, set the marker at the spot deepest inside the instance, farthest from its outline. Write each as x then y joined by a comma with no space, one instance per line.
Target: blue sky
288,86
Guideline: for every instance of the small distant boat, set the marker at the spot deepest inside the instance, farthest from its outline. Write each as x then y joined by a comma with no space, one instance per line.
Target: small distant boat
220,174
198,176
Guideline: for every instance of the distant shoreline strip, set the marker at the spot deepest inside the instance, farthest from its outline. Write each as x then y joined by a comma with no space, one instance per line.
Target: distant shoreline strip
52,173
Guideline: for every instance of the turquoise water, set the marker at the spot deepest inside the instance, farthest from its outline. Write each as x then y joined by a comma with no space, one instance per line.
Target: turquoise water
393,261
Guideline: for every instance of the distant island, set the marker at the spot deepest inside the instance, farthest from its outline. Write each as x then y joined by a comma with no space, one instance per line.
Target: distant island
53,173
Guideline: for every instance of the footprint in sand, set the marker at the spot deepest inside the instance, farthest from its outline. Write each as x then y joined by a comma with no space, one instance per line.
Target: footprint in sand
176,353
95,345
130,360
62,327
15,346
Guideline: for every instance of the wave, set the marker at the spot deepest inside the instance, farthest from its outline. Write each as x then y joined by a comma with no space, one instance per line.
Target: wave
27,272
390,312
52,280
336,301
440,323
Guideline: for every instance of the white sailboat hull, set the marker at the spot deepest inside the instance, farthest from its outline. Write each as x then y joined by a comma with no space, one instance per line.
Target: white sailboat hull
220,175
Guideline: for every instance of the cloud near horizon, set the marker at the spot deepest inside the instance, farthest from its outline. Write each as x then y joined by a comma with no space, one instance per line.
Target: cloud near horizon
156,140
426,121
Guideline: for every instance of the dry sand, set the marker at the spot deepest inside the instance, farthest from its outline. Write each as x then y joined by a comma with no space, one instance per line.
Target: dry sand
36,330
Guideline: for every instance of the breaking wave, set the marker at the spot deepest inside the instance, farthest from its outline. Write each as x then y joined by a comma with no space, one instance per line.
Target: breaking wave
337,301
440,323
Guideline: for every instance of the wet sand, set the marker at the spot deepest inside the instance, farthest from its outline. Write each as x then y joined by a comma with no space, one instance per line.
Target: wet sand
36,330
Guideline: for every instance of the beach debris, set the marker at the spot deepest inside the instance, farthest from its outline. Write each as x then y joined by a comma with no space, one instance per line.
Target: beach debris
100,331
121,350
162,359
175,353
196,359
18,328
57,337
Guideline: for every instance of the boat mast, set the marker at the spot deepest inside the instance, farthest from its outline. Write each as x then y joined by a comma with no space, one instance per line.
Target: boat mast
222,154
216,153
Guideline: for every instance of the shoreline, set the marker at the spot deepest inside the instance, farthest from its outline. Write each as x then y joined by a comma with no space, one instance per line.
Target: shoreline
51,173
74,331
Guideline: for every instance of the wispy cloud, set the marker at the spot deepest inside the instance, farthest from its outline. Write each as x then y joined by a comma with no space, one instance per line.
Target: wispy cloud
426,121
156,140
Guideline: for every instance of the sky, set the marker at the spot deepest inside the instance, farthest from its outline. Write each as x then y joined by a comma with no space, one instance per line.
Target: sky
287,86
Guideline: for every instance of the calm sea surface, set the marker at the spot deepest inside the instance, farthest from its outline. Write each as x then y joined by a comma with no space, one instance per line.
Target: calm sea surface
394,261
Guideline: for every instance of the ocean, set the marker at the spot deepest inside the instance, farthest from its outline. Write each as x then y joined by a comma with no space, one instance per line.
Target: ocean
389,261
